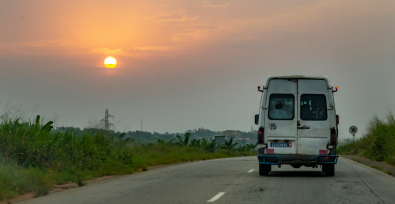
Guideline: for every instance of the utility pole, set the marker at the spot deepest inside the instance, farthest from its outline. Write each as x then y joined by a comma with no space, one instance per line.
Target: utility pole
141,125
105,121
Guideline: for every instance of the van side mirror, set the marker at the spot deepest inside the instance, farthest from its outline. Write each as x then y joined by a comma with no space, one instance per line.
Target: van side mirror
256,119
337,119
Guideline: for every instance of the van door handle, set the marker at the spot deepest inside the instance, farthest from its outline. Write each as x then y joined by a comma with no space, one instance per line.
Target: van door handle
304,127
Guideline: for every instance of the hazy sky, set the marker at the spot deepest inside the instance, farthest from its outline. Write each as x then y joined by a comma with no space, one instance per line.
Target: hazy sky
187,64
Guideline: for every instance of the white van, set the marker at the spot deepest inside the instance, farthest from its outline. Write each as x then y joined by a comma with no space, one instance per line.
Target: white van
297,123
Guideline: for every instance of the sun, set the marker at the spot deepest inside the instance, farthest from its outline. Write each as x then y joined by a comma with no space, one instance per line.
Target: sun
110,62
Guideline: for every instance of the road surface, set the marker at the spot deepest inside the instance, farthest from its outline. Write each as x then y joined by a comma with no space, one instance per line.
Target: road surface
236,180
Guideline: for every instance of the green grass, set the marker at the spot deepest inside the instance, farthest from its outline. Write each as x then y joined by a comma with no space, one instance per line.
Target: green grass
16,180
374,166
33,158
378,144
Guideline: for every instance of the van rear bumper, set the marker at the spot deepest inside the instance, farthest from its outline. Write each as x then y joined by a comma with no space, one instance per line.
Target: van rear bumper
297,159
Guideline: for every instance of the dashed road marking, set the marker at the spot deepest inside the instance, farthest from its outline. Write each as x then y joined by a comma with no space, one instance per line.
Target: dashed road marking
216,197
250,170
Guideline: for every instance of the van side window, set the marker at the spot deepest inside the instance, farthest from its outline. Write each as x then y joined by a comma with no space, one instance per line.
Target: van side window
281,107
313,107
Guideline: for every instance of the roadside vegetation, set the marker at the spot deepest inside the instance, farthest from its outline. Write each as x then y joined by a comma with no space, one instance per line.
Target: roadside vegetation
33,158
381,169
357,160
378,144
374,166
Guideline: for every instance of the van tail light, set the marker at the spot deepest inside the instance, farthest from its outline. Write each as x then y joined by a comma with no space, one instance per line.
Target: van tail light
261,138
333,136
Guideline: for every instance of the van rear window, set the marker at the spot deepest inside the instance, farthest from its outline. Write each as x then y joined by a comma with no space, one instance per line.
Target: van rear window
281,107
313,107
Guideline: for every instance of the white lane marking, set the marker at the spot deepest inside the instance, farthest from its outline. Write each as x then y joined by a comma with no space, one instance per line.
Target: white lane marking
216,197
250,170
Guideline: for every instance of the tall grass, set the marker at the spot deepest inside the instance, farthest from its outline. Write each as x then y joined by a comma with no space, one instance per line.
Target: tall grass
15,180
378,143
33,158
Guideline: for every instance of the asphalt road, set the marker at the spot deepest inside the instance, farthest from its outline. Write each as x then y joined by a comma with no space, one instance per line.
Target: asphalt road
236,180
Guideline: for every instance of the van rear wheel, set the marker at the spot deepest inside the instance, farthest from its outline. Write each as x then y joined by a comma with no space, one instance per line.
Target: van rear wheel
328,169
264,169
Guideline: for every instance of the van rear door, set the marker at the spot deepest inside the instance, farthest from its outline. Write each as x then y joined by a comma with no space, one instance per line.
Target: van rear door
313,117
281,118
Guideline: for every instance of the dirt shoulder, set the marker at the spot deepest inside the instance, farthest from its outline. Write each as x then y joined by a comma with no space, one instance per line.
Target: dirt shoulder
55,189
384,166
72,185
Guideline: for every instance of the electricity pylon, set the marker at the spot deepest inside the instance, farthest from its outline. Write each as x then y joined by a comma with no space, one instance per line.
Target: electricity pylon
105,121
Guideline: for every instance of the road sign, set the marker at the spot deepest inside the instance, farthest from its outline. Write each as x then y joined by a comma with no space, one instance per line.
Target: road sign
353,130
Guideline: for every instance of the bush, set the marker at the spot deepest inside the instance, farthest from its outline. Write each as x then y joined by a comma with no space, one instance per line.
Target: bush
33,158
378,143
15,180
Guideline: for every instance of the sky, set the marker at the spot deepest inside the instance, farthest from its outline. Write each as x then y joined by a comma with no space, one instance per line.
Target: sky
191,64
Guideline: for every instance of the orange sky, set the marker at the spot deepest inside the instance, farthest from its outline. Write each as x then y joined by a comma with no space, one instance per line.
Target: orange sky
186,52
156,29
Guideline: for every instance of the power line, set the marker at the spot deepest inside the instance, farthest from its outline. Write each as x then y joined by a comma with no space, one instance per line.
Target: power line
125,127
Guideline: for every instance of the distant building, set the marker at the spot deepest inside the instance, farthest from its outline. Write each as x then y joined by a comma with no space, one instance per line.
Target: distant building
229,133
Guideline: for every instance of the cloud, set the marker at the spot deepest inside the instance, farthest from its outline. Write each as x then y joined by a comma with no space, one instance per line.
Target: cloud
154,48
108,51
175,16
45,43
47,47
191,36
207,4
136,52
119,52
183,18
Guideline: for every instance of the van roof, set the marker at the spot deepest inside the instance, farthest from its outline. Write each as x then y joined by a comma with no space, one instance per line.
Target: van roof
297,77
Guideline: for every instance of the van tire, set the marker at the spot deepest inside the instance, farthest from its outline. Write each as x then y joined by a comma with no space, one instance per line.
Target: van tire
328,169
264,169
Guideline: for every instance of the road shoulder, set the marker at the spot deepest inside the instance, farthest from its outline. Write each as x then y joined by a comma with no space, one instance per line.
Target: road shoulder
73,185
387,168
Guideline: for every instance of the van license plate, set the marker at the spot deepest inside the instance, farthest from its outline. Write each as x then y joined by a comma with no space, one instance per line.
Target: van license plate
280,144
